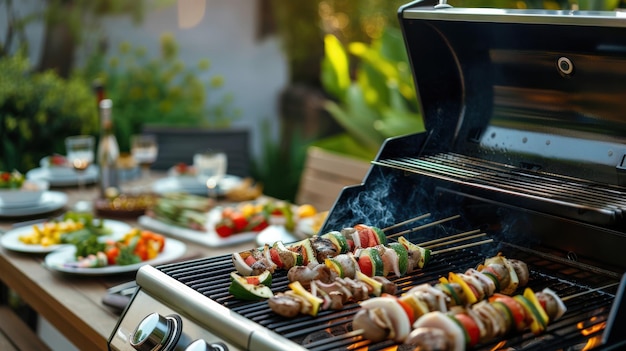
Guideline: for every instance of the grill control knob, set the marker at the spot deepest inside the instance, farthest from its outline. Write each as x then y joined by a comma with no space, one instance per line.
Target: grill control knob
201,345
154,333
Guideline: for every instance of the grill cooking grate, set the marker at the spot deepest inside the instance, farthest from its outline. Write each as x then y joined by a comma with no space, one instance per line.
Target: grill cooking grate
331,330
602,204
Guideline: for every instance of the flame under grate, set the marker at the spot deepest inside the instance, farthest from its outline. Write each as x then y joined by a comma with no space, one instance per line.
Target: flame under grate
580,328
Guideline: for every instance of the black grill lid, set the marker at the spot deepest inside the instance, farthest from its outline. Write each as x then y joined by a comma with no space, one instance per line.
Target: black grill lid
537,89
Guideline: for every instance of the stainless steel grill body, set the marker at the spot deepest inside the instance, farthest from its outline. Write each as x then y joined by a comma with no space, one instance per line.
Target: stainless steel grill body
525,140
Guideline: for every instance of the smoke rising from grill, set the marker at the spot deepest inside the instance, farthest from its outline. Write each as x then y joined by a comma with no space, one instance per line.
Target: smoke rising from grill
387,199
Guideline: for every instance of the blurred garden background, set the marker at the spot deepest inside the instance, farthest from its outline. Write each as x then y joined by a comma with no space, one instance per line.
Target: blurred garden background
331,73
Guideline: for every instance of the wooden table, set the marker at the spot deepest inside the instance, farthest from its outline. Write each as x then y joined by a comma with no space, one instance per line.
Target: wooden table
72,304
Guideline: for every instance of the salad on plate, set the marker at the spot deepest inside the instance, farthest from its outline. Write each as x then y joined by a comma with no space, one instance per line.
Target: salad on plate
134,247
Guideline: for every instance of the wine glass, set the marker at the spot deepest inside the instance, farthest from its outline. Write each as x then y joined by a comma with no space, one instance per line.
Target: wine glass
210,168
144,149
80,154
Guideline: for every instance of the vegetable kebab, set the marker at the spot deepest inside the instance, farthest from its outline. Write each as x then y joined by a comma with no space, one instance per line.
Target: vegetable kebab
461,326
362,245
360,249
447,317
458,289
323,296
324,258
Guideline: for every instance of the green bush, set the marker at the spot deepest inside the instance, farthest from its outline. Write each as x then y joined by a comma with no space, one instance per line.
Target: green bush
37,112
162,91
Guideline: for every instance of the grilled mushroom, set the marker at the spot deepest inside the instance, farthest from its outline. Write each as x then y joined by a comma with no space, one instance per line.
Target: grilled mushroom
285,305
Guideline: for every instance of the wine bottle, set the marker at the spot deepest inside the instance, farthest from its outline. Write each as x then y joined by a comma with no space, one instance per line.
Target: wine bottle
108,152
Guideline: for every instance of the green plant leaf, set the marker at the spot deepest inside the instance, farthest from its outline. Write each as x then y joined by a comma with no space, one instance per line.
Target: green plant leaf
362,128
398,102
372,57
391,46
381,102
345,144
335,73
374,85
395,123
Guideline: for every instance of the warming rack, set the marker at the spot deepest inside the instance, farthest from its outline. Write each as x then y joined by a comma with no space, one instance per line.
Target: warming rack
603,204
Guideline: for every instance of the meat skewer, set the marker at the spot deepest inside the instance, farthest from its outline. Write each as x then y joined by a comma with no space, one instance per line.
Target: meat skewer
411,220
486,241
373,261
457,290
323,296
318,248
427,338
424,226
569,297
434,322
316,259
435,241
453,241
467,326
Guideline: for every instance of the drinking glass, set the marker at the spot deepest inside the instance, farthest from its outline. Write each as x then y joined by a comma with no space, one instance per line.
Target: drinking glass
210,168
80,154
144,149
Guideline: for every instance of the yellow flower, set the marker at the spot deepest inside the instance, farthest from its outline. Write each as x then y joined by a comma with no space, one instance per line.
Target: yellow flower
168,46
217,81
204,64
125,47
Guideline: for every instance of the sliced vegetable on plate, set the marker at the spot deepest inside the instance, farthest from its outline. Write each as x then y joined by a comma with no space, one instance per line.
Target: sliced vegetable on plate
240,219
135,247
183,210
11,180
115,254
50,235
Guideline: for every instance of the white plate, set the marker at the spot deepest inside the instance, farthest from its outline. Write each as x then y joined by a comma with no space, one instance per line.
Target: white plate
56,260
207,238
274,233
57,171
28,195
50,201
192,186
62,172
11,239
63,179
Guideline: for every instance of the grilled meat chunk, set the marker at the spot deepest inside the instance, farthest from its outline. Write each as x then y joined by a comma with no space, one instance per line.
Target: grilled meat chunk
428,339
306,274
323,248
285,305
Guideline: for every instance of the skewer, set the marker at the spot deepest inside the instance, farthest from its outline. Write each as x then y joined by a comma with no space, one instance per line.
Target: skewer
461,247
414,219
435,241
456,240
357,332
423,226
587,292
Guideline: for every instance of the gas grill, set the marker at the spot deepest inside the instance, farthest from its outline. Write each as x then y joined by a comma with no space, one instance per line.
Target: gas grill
525,141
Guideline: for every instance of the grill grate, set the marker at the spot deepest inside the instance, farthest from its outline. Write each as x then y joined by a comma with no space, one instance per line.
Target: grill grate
331,330
600,203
